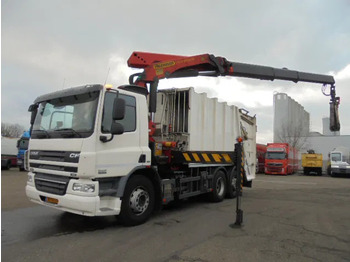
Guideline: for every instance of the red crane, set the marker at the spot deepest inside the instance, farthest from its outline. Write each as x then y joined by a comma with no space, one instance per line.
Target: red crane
159,66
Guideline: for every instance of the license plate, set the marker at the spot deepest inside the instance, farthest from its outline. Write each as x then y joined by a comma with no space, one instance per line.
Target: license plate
52,200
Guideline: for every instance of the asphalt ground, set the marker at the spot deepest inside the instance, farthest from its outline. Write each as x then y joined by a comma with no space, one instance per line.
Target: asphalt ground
286,218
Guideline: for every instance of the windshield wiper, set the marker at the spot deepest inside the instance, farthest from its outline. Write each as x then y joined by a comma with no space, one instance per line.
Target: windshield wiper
69,129
42,130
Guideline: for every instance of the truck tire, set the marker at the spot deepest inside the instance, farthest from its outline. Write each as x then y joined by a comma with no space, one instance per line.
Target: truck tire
219,187
8,165
231,185
138,201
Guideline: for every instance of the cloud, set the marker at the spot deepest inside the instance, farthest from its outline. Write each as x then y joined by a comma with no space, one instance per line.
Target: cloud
50,45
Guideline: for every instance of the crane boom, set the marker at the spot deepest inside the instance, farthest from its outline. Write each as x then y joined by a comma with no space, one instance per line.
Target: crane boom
160,66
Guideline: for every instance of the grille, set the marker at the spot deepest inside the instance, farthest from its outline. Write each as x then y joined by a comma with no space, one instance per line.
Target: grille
274,169
52,184
274,164
57,156
54,167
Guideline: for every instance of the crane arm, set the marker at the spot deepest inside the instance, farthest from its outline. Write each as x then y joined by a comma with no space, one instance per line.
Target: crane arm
160,66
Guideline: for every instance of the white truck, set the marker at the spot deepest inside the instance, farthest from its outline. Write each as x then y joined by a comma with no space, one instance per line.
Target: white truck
8,152
339,161
74,168
98,151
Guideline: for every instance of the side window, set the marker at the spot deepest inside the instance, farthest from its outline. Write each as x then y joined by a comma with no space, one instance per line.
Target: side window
129,121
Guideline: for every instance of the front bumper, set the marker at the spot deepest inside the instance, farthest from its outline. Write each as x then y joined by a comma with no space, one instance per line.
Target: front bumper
77,203
20,162
336,170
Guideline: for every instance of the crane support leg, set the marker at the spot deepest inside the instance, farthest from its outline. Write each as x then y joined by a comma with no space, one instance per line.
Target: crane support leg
239,183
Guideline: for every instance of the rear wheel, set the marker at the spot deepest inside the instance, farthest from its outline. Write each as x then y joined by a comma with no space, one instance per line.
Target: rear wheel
138,201
219,187
231,185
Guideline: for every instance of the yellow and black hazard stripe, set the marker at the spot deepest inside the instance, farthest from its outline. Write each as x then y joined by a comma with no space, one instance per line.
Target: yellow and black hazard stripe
203,157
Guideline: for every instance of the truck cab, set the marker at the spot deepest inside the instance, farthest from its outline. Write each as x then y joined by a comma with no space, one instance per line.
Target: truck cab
22,146
280,159
72,145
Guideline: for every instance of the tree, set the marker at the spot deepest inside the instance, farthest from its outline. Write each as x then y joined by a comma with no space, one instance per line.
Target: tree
11,130
295,135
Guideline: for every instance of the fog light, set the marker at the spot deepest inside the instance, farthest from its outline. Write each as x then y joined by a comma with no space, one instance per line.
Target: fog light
30,179
89,188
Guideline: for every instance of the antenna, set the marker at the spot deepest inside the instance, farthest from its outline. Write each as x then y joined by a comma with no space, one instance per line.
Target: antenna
107,75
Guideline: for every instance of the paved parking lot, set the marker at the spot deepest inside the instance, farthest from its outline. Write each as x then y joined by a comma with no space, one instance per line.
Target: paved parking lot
293,218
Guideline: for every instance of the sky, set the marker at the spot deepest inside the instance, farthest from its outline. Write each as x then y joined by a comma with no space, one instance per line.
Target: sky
51,45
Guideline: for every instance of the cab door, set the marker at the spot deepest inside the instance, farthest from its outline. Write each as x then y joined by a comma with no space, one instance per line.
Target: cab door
121,155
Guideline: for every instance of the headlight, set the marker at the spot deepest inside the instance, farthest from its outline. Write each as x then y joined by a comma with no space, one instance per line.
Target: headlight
89,188
30,178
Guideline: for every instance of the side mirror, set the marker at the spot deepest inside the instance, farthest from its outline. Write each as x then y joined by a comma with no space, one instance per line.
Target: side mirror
117,128
32,117
118,109
33,109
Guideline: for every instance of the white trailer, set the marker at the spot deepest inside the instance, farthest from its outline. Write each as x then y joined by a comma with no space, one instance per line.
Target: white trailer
8,152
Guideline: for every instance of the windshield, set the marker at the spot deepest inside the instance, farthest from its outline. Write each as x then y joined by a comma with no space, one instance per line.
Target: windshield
23,143
336,157
67,117
275,155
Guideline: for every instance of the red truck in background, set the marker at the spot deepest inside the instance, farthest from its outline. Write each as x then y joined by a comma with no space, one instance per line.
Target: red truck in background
280,159
260,155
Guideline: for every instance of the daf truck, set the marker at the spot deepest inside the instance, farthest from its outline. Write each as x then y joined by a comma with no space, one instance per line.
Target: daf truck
96,150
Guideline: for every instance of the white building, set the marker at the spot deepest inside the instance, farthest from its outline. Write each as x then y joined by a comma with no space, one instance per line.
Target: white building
290,118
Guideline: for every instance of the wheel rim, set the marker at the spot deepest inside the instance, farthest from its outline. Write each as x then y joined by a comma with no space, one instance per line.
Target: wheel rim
234,183
220,186
139,201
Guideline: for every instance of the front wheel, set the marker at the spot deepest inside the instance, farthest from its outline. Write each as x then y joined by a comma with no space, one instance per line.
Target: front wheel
219,187
138,201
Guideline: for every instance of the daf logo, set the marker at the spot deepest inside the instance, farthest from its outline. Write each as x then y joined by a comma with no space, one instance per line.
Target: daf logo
74,155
